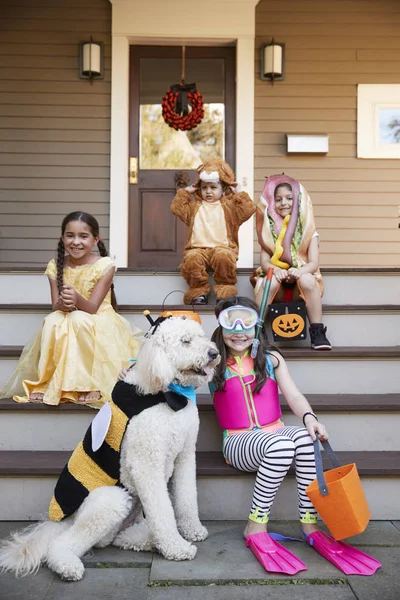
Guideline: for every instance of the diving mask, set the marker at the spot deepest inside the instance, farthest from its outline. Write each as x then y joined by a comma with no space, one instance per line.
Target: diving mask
238,319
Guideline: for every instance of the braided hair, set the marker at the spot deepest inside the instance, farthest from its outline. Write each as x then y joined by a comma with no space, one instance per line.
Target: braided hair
95,231
263,348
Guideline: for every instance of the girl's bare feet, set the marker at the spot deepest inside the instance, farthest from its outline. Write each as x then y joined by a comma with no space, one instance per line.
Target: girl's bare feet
253,527
87,396
309,527
36,397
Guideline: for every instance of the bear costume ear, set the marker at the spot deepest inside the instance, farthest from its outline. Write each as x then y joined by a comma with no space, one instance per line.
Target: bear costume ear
225,173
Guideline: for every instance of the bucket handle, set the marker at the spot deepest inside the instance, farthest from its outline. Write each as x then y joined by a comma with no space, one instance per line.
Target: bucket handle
323,488
173,291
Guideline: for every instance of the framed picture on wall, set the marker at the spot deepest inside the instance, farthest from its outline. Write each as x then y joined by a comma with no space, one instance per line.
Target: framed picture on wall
378,121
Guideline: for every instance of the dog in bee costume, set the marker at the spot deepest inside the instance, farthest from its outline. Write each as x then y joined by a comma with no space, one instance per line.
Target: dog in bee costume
120,471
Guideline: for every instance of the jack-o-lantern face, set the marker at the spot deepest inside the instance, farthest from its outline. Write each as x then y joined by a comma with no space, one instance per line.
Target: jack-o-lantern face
288,325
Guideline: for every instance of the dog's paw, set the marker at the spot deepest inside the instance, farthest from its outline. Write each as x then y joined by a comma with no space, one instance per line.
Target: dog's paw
196,533
135,538
181,551
69,569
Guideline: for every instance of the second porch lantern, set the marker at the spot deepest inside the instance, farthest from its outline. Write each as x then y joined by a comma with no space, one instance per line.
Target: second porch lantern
273,61
91,60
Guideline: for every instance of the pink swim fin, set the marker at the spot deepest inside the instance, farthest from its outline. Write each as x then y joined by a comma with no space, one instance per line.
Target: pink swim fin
273,556
346,558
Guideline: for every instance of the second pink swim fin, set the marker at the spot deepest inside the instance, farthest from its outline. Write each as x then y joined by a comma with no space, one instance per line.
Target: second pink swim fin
346,558
273,556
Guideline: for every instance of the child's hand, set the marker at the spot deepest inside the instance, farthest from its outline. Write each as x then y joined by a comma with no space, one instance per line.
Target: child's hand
191,189
123,373
235,187
314,427
69,296
294,273
63,307
280,274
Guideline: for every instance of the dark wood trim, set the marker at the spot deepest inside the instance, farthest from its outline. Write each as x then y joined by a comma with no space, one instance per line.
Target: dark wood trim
23,463
209,308
10,351
370,352
380,464
240,270
321,403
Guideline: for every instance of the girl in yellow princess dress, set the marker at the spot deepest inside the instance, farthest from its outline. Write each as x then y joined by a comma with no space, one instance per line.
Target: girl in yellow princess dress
83,343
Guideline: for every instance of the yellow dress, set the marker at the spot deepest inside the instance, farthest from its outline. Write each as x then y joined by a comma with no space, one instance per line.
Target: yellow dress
76,352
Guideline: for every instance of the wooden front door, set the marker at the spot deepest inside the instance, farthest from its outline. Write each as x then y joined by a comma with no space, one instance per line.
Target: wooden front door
166,158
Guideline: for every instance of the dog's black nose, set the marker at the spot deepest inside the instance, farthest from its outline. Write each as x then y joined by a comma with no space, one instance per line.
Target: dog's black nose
213,354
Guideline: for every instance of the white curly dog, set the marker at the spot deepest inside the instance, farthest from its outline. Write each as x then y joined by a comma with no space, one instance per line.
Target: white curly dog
158,446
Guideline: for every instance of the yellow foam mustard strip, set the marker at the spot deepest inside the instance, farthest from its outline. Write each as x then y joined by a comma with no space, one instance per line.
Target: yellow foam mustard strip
117,427
279,248
254,517
85,470
309,518
55,512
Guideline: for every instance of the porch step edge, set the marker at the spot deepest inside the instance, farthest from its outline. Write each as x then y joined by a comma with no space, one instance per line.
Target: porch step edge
321,403
23,463
338,352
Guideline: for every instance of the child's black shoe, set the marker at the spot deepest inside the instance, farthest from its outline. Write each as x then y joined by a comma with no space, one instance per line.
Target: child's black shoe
319,341
200,300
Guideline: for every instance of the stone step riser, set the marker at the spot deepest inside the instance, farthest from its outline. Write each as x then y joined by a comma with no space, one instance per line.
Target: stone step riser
152,288
336,376
231,496
220,498
351,329
41,431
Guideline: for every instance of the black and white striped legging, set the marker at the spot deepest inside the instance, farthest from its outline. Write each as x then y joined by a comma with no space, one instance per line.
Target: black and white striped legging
271,454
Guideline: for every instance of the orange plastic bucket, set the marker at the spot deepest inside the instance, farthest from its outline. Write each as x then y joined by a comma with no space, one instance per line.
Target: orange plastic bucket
188,314
178,312
338,497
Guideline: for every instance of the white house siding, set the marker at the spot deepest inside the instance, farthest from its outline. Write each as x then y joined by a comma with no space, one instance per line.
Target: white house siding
331,46
54,127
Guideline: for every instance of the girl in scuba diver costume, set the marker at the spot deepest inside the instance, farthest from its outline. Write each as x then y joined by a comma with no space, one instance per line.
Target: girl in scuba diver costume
245,396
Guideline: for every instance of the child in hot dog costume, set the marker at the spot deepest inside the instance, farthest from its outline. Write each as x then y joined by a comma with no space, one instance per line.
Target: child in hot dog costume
290,245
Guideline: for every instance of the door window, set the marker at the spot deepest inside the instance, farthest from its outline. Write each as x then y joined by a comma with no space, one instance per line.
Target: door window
160,146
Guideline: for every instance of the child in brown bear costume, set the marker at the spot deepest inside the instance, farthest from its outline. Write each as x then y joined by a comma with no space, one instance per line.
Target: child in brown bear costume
213,217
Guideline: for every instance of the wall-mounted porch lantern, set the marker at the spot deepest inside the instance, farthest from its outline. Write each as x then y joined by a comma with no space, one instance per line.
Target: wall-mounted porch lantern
272,61
91,60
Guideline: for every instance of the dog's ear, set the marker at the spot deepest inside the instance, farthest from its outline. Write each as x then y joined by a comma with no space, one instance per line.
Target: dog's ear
153,370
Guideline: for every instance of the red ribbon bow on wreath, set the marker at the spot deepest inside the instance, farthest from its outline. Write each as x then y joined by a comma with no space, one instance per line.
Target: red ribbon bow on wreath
175,106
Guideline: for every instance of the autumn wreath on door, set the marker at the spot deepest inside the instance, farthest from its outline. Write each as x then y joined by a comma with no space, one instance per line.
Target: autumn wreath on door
182,105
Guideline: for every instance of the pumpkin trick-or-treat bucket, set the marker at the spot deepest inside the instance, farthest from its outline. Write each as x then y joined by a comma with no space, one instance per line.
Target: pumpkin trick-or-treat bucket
186,314
338,496
288,320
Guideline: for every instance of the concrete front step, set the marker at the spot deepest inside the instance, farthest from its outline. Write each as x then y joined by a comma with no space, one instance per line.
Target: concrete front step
361,325
28,480
351,422
344,286
348,370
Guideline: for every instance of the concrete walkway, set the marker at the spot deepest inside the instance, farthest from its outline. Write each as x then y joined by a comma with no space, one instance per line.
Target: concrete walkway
223,569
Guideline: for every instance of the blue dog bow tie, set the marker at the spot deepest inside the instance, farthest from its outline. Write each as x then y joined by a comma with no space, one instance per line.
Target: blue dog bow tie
187,391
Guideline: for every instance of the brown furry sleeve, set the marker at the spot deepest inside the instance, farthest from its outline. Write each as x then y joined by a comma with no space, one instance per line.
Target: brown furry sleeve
182,206
244,206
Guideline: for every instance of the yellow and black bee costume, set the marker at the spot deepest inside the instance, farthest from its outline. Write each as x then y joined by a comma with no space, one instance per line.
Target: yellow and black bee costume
87,470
